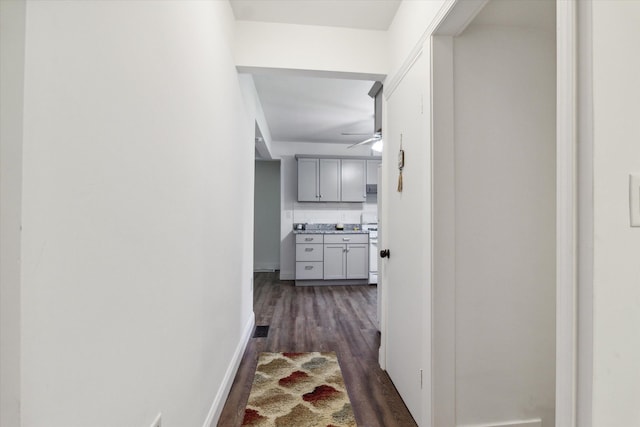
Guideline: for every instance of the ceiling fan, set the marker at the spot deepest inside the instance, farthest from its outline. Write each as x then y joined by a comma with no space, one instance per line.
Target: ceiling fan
375,141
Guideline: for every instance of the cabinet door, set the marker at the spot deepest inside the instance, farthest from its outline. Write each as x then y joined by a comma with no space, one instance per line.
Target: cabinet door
308,180
354,175
357,261
329,180
334,261
372,171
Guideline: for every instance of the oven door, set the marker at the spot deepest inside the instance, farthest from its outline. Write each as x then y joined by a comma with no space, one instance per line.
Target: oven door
373,260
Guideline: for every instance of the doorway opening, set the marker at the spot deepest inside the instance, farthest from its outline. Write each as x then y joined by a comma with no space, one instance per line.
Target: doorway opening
266,216
494,213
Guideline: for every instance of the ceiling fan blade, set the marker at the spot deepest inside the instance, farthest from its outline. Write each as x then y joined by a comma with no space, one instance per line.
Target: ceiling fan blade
374,138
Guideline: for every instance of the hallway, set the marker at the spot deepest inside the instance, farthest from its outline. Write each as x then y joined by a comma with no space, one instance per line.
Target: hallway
332,318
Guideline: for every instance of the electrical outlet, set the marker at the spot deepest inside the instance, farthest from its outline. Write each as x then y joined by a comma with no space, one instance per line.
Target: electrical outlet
634,199
158,421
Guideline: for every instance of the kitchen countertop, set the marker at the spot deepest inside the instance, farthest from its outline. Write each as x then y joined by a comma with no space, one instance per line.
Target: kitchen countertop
330,232
330,229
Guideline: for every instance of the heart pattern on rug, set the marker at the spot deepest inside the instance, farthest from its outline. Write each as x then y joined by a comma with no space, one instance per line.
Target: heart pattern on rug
298,390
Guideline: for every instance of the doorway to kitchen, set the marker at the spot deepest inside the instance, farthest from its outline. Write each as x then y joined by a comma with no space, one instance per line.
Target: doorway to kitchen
266,216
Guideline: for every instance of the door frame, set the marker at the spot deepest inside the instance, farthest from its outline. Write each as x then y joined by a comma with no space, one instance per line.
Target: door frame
568,239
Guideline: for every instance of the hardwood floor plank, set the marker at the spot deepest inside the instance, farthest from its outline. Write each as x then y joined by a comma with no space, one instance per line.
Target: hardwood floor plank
322,318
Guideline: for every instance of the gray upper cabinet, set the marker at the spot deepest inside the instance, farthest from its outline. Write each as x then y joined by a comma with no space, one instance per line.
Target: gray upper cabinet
372,171
333,179
318,180
308,173
329,180
354,175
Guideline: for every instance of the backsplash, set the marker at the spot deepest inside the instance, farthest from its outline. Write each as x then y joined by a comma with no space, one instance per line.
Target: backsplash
332,213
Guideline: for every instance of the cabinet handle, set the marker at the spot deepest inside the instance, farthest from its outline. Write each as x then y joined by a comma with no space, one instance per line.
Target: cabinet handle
308,267
346,239
308,239
308,249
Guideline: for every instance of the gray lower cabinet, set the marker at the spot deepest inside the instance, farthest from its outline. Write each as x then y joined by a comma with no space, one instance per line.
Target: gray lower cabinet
334,255
346,256
309,256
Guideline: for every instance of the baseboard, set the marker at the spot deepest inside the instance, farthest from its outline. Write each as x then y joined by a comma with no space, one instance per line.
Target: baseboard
287,275
266,266
225,387
519,423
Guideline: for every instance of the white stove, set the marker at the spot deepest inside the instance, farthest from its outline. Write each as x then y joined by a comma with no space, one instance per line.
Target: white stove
372,228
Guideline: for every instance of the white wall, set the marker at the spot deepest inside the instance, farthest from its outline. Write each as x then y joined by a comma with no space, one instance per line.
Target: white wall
12,39
254,108
266,249
504,85
293,211
412,20
308,47
137,207
616,305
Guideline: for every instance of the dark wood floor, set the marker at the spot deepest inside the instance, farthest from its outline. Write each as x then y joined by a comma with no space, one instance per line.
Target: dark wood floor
322,318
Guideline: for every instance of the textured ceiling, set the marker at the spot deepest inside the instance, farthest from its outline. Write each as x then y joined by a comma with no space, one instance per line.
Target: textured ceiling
310,109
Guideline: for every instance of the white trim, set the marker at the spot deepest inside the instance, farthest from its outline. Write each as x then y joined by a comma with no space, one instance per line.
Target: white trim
537,422
566,248
392,83
584,356
223,391
443,274
461,14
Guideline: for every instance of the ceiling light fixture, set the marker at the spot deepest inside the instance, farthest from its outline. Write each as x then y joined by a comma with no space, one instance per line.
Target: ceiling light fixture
377,146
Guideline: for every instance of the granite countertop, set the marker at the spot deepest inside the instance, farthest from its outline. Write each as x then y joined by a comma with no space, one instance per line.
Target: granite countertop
329,229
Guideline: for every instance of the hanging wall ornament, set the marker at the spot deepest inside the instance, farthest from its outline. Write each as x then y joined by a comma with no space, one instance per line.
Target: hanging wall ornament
400,165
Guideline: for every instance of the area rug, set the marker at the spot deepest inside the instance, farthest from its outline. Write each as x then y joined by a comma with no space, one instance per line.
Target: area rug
298,390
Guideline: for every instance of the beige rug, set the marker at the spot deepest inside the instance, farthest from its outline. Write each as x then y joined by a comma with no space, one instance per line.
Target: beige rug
298,390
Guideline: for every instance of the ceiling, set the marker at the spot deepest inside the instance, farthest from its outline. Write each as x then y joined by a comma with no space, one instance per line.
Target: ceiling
362,14
310,109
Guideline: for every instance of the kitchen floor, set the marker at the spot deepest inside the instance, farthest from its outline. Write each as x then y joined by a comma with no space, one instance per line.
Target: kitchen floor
322,318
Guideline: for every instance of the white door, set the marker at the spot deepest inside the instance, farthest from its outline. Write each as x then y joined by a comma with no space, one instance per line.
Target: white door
406,229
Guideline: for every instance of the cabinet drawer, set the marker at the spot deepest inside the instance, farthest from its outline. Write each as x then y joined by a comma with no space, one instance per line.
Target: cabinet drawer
308,270
309,252
309,238
346,238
